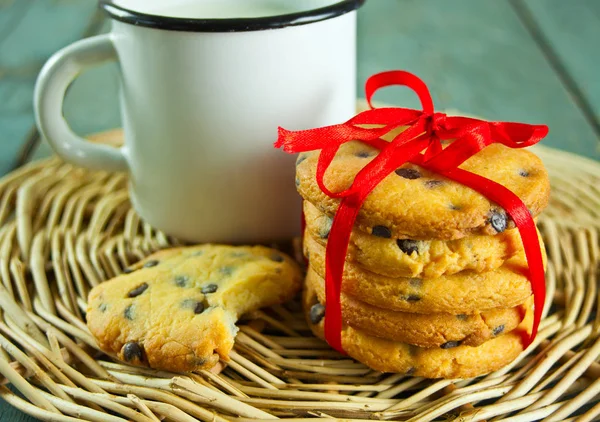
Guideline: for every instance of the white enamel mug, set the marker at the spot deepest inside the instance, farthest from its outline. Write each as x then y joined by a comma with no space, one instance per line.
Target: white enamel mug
202,94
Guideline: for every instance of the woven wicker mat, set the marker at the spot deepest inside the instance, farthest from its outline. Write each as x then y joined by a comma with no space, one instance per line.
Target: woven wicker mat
64,229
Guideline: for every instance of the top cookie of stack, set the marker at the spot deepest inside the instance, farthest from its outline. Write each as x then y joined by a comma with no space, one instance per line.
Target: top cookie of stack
435,272
414,203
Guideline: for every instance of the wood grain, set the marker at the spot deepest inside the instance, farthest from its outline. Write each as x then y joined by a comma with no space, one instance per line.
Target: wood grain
477,57
30,31
560,60
572,29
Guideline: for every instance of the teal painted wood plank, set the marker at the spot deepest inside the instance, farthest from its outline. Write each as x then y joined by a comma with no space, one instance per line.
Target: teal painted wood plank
477,57
30,31
91,104
11,414
573,31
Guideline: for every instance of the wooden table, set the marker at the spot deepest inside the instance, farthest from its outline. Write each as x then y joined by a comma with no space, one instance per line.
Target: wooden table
535,61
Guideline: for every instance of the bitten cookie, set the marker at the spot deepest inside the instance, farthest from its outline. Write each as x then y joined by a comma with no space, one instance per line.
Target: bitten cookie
418,258
448,362
176,310
414,203
464,292
423,330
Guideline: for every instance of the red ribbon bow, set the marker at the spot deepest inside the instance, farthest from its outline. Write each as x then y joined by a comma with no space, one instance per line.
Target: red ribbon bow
425,132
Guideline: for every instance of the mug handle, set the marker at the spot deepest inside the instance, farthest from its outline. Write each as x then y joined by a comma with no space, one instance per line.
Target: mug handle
51,85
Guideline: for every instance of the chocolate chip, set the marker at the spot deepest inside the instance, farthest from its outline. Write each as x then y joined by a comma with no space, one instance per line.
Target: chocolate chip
209,288
227,270
523,173
301,158
412,298
181,280
128,312
408,173
408,246
462,317
138,290
382,231
277,258
433,183
128,270
317,312
450,344
410,371
498,221
325,227
132,350
297,182
363,154
416,282
498,330
199,308
102,307
151,263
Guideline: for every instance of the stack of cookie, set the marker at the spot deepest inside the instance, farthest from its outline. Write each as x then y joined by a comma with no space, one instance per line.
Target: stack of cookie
435,281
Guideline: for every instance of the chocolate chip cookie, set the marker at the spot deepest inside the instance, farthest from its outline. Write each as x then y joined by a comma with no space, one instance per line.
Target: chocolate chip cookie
418,258
463,292
176,310
450,360
424,330
416,204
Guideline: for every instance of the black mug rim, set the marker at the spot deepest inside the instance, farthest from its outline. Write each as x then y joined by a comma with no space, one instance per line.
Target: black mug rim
133,17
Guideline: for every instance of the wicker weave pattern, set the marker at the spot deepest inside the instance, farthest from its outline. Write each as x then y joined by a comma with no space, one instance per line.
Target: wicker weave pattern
64,230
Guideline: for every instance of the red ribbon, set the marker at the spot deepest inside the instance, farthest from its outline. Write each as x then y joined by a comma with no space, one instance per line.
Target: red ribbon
426,129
